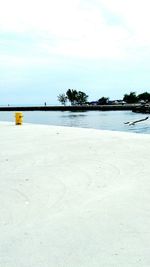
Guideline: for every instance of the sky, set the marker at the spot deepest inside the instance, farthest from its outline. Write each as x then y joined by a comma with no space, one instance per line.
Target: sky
101,47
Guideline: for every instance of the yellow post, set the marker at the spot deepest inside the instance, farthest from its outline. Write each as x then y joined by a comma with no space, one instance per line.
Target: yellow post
19,118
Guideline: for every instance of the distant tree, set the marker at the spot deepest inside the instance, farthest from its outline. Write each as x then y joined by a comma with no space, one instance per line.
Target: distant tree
72,96
144,96
76,97
81,98
62,98
130,98
103,101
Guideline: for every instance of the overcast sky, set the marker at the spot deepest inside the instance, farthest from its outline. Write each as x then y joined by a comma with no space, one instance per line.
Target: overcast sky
101,47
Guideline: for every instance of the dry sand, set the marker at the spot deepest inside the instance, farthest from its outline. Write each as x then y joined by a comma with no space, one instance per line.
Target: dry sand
73,197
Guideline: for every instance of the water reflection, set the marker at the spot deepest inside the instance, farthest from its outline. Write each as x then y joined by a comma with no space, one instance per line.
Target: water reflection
74,115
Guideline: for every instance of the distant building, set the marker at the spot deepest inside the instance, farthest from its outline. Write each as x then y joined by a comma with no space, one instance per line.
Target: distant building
116,102
108,102
93,103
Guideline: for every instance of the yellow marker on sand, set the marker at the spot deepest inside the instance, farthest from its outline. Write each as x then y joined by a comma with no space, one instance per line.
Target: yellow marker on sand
19,118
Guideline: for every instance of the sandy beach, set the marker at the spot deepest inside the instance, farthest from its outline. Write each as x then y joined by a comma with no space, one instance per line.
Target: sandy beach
73,197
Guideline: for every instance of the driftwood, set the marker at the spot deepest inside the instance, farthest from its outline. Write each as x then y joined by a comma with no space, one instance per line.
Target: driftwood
134,122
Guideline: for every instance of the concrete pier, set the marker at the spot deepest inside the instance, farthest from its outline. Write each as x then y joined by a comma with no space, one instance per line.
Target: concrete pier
69,108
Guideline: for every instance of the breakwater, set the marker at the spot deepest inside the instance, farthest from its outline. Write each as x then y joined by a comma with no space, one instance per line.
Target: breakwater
142,109
69,108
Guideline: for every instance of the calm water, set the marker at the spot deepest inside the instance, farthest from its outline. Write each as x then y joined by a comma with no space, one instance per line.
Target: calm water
106,120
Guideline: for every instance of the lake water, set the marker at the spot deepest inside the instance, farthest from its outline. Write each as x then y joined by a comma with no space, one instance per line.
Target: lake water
104,120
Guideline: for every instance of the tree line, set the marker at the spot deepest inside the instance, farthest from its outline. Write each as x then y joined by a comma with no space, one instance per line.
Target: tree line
79,98
133,98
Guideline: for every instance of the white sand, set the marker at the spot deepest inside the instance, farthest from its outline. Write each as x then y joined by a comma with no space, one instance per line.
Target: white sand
73,197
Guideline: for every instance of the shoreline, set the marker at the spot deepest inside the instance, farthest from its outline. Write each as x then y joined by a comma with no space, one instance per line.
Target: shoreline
76,128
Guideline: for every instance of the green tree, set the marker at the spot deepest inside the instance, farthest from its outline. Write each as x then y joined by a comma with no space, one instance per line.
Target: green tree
144,96
81,98
103,101
62,98
72,96
130,98
76,97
